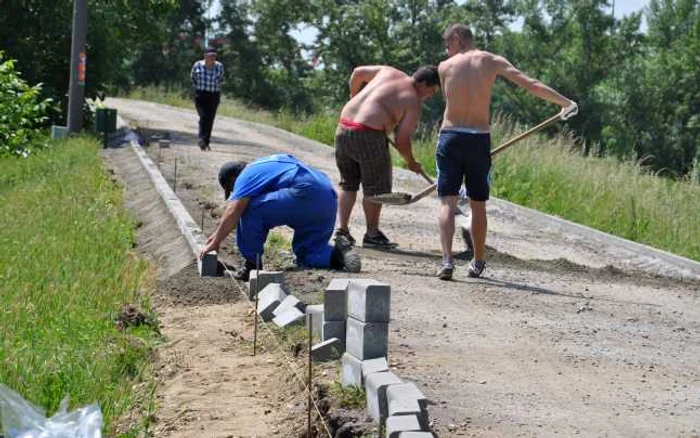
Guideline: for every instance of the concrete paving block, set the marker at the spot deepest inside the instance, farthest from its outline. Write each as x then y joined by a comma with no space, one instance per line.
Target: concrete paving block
407,391
375,389
407,406
416,435
269,299
334,329
366,340
209,265
377,365
266,277
326,350
369,300
316,310
351,370
289,302
291,316
403,423
335,300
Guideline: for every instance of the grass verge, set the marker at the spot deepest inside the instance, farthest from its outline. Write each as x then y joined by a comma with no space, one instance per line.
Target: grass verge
547,174
66,270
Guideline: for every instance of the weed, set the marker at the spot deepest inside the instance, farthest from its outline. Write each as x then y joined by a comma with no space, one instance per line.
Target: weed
348,397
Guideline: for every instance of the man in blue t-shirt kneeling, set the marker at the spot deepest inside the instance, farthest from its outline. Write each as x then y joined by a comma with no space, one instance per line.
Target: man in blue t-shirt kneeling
281,190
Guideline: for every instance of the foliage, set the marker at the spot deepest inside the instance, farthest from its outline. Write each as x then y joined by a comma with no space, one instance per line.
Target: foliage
66,269
348,397
22,112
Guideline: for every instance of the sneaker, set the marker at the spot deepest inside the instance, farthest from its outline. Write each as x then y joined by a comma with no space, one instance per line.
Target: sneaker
343,238
202,145
379,240
445,272
476,268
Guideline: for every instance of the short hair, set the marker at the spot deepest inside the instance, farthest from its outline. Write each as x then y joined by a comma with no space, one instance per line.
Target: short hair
210,50
228,174
428,74
458,29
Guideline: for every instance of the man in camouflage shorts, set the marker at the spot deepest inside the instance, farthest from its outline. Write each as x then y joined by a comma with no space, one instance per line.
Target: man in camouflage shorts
383,99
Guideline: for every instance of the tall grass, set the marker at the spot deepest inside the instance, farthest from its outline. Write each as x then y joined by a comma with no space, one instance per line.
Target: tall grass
66,269
548,174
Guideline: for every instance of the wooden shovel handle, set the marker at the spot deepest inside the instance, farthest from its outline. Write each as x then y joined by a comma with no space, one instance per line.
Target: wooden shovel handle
530,131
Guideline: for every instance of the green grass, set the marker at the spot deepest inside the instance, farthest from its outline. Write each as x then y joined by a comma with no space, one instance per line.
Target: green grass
66,269
348,397
549,175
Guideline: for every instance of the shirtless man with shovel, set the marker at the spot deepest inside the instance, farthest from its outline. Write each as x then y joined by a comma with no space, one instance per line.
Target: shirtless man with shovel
464,145
390,100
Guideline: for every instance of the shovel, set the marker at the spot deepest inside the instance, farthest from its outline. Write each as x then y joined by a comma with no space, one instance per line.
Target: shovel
402,198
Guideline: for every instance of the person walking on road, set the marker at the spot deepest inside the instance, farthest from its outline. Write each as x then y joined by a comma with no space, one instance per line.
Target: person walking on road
464,144
207,75
382,99
281,190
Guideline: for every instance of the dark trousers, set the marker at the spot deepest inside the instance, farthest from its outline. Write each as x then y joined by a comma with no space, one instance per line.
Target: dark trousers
206,102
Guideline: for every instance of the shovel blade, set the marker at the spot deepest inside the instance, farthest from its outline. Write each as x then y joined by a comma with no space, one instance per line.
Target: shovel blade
391,198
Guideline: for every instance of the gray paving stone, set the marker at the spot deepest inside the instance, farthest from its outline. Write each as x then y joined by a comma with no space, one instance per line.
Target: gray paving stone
351,370
366,340
334,329
289,302
416,435
209,265
403,423
377,365
375,390
335,300
369,300
266,277
291,316
408,406
326,350
407,391
269,299
317,322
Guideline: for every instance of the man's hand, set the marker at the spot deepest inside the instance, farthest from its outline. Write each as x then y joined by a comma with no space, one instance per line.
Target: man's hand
568,111
415,166
211,246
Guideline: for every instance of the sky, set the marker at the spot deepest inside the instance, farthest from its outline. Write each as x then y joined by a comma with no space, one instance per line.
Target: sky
308,34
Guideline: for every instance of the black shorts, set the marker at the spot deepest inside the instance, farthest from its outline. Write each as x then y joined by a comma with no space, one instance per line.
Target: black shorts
463,157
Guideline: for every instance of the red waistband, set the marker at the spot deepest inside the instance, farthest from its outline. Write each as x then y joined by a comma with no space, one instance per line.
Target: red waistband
349,124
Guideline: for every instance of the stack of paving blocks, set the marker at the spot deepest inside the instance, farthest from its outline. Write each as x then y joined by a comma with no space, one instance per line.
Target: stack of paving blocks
398,407
333,323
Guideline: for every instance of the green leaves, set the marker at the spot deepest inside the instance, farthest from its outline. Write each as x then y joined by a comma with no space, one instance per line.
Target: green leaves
22,112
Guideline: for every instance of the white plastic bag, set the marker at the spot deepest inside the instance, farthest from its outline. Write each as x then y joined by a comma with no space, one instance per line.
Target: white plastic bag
21,419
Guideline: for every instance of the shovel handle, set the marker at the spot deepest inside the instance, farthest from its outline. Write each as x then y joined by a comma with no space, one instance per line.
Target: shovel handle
512,141
422,172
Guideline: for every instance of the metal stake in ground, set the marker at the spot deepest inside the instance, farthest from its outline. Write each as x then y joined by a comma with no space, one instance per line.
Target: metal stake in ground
309,324
255,313
175,178
202,223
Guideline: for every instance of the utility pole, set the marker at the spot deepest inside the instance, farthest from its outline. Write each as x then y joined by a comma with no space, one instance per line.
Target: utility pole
78,61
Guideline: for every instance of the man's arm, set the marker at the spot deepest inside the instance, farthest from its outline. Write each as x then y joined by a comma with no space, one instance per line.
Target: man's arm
404,131
233,213
362,75
508,71
192,75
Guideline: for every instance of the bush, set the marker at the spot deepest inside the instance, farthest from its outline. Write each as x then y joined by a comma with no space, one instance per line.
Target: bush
22,112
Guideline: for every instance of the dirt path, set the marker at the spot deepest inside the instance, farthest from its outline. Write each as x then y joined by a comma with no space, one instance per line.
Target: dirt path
563,337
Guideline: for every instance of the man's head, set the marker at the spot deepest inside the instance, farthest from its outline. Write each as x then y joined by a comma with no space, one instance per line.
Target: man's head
210,56
427,81
457,37
228,174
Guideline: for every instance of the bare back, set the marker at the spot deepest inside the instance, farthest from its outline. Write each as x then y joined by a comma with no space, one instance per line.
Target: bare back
383,102
467,79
